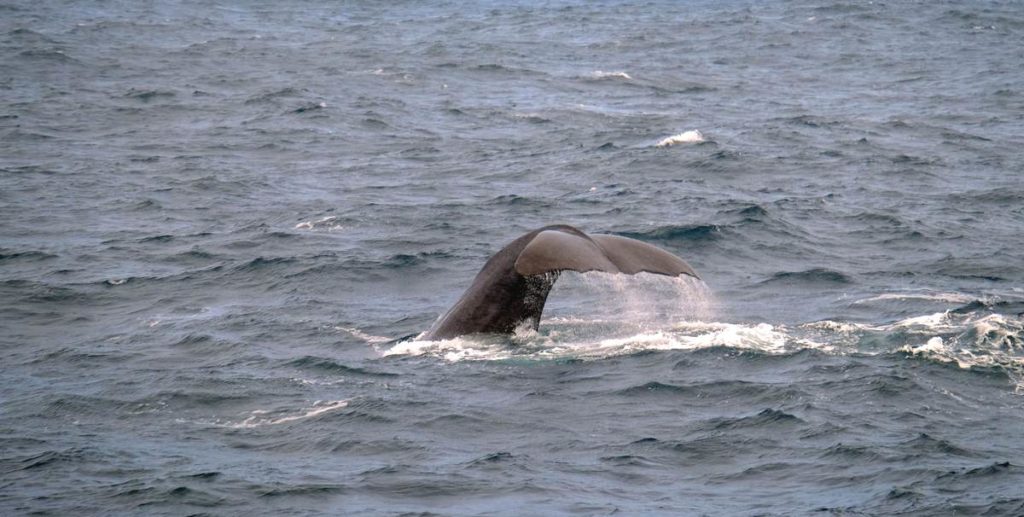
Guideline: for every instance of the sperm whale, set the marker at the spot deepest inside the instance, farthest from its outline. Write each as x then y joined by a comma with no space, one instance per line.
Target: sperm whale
514,284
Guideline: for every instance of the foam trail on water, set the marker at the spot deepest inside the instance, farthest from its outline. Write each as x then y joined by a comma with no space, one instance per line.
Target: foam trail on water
599,339
359,334
597,315
938,297
478,348
262,417
600,330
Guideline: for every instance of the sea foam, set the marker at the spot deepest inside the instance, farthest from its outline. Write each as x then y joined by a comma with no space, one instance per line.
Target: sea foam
262,417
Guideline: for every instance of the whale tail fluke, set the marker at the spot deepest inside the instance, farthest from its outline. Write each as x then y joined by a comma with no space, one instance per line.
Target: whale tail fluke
514,284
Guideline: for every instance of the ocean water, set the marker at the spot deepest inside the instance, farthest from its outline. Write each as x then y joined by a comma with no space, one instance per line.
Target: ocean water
223,226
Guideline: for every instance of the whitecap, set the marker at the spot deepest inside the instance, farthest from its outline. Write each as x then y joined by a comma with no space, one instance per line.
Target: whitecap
969,341
598,74
692,136
935,322
838,327
329,223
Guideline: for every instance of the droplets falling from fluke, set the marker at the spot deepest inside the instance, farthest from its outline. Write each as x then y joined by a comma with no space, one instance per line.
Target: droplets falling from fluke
642,300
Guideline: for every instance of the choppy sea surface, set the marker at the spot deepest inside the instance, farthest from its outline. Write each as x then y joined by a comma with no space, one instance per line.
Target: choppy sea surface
224,224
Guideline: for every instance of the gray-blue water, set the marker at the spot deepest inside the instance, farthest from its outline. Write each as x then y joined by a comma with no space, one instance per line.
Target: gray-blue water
222,226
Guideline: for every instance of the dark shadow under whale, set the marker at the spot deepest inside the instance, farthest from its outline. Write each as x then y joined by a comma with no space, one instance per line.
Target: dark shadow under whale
514,284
